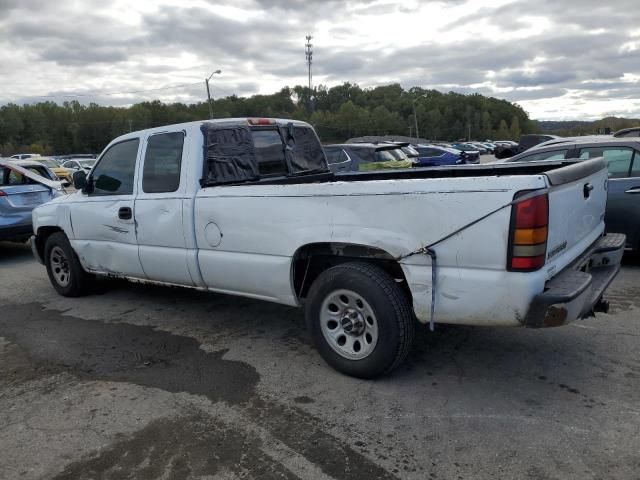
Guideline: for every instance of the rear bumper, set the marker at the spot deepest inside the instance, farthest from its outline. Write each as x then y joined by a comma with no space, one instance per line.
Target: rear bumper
577,291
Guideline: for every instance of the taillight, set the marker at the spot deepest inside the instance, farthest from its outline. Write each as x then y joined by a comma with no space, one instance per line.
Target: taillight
261,121
528,233
2,194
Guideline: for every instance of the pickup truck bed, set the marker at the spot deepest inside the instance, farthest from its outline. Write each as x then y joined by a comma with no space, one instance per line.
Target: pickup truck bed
250,208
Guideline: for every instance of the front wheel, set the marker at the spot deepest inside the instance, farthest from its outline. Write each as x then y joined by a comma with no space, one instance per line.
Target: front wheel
360,319
63,267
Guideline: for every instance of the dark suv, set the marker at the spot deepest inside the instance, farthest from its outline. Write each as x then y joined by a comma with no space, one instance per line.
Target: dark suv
623,161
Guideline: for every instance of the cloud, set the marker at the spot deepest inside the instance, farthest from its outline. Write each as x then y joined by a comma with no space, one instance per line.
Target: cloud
559,57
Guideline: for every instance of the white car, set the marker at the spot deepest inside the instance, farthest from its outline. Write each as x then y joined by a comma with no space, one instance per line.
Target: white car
77,164
249,207
25,156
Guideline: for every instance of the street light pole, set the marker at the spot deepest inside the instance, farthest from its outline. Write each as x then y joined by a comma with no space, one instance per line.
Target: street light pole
415,120
415,116
206,81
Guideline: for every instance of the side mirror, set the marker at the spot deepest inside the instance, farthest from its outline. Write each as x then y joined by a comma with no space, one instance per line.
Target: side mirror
80,180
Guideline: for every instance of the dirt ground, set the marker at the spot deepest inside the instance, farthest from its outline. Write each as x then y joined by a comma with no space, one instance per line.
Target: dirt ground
149,382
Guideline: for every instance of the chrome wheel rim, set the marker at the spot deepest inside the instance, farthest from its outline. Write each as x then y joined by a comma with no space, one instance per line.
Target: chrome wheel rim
349,324
60,266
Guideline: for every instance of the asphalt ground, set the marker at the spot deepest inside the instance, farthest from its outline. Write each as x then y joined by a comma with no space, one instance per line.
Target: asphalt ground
147,382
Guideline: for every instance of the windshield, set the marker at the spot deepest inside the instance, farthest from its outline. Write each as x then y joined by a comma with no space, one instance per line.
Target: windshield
49,163
87,163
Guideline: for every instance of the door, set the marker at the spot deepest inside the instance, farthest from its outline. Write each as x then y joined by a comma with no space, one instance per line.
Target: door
623,205
159,210
103,219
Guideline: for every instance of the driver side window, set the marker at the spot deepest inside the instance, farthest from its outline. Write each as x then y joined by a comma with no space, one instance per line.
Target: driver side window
113,175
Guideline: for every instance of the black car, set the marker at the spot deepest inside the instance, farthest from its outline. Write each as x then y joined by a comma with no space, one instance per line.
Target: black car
526,142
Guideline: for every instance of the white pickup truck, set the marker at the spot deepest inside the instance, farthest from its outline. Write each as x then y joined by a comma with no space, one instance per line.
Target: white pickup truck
249,207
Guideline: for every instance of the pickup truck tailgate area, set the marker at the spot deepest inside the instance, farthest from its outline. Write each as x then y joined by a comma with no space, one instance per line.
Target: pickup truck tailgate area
577,203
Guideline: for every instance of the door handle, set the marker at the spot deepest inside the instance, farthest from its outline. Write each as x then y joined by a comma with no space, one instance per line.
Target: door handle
125,213
633,190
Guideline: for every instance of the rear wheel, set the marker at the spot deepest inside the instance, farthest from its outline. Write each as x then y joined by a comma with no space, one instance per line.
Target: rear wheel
63,267
360,320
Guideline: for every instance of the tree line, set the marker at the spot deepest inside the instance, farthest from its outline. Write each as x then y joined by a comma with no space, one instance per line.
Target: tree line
337,113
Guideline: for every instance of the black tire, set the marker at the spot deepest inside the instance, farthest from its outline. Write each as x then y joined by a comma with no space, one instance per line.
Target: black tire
395,323
79,281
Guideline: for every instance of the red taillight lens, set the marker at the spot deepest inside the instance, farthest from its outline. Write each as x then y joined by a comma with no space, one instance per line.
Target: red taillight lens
261,121
2,194
528,234
532,213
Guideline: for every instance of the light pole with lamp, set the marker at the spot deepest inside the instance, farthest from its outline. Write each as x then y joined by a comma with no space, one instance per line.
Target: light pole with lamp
206,81
415,117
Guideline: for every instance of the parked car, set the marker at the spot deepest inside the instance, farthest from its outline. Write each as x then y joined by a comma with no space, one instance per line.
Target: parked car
77,164
434,156
526,142
472,152
623,163
19,195
24,156
249,207
348,157
489,146
479,146
628,132
60,172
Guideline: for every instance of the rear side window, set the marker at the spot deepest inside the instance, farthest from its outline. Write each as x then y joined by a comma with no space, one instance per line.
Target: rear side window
303,148
162,163
333,156
618,159
269,152
544,156
114,173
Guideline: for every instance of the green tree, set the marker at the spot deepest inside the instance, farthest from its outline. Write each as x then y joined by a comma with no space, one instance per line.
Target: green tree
503,131
514,129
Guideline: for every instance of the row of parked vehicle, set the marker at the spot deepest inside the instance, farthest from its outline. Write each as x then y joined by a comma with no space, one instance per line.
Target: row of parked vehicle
21,189
62,166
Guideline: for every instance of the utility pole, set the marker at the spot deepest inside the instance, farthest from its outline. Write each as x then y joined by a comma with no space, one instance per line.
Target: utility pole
309,56
415,121
206,81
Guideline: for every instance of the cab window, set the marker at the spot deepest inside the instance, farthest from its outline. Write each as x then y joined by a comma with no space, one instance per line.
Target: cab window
618,159
162,163
113,175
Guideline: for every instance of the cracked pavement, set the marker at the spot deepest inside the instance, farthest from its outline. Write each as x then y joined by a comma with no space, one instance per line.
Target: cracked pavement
147,382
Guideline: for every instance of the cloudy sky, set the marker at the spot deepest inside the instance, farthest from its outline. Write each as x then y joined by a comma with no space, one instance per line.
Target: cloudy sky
559,59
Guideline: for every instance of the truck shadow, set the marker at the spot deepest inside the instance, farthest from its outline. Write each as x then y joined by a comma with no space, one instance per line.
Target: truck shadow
464,353
12,253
